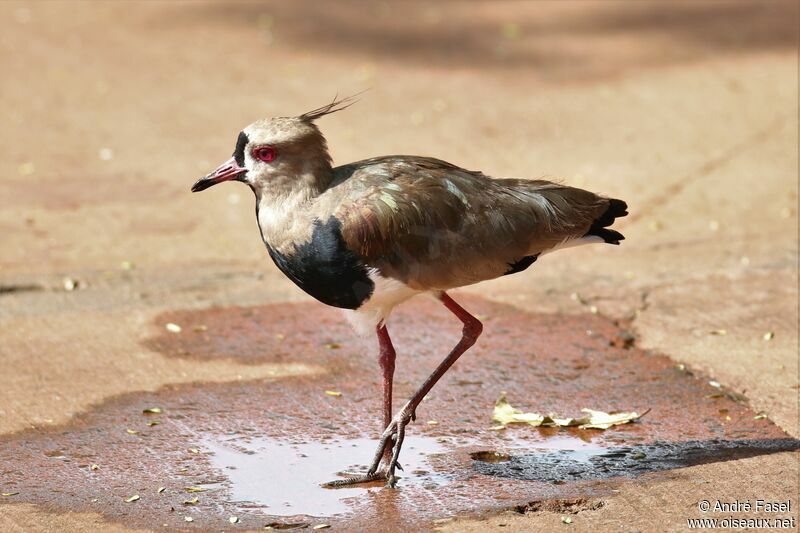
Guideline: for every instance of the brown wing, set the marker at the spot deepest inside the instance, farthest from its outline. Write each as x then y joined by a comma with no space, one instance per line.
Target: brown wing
436,226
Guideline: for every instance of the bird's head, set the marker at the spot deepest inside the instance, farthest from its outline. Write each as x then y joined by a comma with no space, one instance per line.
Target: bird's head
280,154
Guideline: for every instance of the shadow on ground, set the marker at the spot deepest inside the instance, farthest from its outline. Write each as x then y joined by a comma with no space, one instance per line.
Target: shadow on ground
566,40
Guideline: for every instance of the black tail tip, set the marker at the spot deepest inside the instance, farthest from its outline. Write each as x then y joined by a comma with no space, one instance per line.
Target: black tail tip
616,209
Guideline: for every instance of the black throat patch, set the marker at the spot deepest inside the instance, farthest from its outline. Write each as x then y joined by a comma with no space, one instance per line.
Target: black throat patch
238,153
326,269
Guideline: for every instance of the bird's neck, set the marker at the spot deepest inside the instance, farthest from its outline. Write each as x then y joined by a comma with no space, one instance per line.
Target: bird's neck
283,207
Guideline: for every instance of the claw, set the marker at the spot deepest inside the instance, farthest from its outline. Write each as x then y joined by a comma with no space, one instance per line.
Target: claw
354,480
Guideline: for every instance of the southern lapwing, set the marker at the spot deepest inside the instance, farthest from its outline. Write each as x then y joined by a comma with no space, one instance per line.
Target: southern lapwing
369,235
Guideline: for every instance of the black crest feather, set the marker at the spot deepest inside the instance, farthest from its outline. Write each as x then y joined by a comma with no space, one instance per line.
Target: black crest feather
333,107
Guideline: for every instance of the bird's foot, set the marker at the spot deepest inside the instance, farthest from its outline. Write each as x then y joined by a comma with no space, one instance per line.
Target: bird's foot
395,434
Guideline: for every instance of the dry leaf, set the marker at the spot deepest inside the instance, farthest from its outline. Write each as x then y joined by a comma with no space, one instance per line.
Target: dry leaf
188,519
566,519
333,346
94,467
195,489
153,411
333,393
760,415
601,420
193,501
9,493
132,498
504,413
194,450
131,432
161,489
768,336
233,519
173,328
321,526
153,423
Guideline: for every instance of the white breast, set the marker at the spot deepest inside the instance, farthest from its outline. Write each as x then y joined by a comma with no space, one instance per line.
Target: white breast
386,294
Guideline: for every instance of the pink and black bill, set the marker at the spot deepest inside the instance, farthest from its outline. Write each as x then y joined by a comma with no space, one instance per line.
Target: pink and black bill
232,169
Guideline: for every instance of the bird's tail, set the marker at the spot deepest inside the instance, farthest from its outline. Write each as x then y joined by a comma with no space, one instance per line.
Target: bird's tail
600,227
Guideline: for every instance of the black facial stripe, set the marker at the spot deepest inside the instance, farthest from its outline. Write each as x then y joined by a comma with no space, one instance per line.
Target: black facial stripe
241,142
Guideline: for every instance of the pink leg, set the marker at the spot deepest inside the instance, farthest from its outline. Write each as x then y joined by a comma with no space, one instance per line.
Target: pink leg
387,356
395,430
386,359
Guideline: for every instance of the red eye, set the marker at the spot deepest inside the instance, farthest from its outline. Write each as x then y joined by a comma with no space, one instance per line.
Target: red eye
264,153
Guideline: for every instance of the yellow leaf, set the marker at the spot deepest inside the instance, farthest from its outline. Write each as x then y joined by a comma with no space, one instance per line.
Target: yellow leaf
132,498
505,414
193,501
333,393
153,411
195,489
131,432
601,420
9,493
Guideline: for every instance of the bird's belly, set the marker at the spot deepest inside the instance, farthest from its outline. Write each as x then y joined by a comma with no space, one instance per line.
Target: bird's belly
325,268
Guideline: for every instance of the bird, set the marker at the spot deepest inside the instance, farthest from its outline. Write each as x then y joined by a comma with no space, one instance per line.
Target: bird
367,236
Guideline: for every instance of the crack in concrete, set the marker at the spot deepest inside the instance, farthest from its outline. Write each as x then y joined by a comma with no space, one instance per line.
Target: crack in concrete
663,197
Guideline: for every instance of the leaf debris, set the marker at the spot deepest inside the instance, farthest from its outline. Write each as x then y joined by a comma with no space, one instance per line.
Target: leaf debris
333,393
152,411
233,519
193,501
173,328
566,519
161,489
195,489
505,414
132,499
9,493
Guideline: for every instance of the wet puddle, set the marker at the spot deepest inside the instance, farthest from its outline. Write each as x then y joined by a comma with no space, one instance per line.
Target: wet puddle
257,450
285,478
